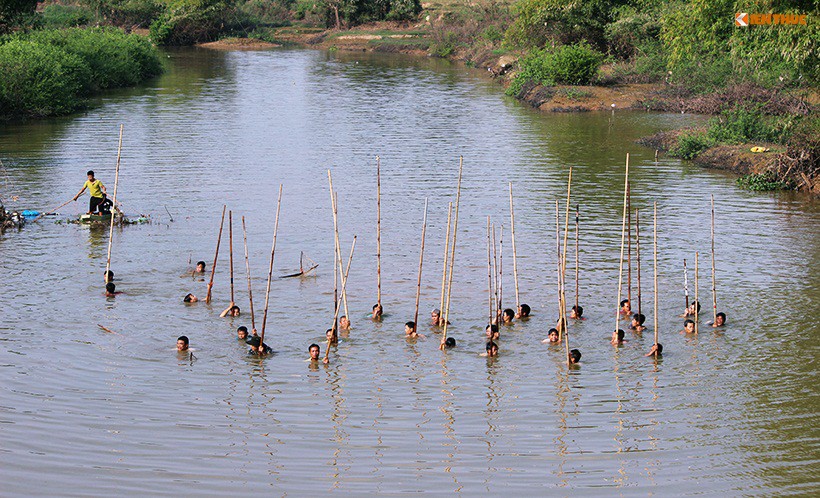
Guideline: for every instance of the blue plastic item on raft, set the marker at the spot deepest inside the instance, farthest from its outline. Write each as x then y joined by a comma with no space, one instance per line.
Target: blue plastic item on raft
31,212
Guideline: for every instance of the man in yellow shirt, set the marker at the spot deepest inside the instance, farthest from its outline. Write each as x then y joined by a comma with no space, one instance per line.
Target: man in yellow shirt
97,191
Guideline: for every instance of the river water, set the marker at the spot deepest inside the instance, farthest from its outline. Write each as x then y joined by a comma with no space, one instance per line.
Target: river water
85,412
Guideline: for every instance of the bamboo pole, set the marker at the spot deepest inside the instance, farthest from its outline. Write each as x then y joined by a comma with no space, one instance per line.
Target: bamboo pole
336,251
332,339
421,260
714,285
501,268
563,313
444,270
558,252
577,266
638,252
342,276
655,251
248,270
623,236
378,232
686,286
113,215
216,256
629,244
230,250
489,279
270,272
495,275
452,255
52,211
515,255
697,299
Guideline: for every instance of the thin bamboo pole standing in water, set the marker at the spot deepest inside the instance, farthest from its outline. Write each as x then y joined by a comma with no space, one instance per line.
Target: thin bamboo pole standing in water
216,256
563,311
714,285
515,255
495,276
501,268
697,299
248,270
577,256
655,251
489,279
336,255
270,272
559,326
629,244
342,275
421,260
623,237
444,270
378,231
638,251
333,338
113,215
230,250
452,254
686,285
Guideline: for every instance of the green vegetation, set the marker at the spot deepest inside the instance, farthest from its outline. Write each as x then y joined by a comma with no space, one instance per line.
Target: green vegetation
569,64
50,72
763,182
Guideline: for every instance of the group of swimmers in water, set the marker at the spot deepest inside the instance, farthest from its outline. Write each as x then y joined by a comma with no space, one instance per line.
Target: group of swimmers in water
505,316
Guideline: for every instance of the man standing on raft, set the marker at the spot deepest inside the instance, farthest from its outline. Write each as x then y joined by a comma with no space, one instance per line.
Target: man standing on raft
97,191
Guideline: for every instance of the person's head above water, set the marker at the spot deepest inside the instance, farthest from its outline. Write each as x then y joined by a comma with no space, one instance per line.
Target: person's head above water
242,332
410,327
625,305
574,356
344,322
190,298
576,312
552,335
110,288
109,276
689,325
524,311
720,319
182,343
450,342
314,350
638,319
234,310
492,348
492,331
617,336
200,266
377,310
508,315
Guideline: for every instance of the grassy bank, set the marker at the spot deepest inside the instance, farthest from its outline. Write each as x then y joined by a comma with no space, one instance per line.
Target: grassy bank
52,71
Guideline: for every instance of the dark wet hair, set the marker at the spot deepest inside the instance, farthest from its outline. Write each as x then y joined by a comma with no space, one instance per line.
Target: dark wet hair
328,330
110,287
575,355
187,298
314,345
254,341
200,263
525,310
411,324
722,315
550,331
698,305
579,311
183,338
450,342
639,317
660,348
243,329
437,311
89,172
343,316
687,322
376,306
624,302
109,274
620,335
493,327
235,307
491,344
510,313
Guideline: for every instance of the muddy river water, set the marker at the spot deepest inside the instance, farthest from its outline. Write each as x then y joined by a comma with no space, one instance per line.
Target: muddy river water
85,412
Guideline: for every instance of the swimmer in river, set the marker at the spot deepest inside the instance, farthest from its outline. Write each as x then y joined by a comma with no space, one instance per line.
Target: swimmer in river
200,267
344,323
617,338
492,332
190,298
577,313
97,191
688,327
410,331
720,320
377,312
637,322
450,343
523,311
331,336
109,277
655,348
111,290
692,309
232,310
626,308
574,356
552,337
435,317
314,351
492,350
182,343
242,333
507,316
257,347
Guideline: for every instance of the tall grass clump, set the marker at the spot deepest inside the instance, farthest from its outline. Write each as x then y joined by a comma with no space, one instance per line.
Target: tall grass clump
570,64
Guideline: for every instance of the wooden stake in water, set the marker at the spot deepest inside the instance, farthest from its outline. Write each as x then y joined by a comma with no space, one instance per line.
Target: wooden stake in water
655,251
501,268
638,251
686,285
113,215
444,270
421,260
697,299
248,270
563,312
333,337
714,285
452,256
629,244
378,231
230,249
270,272
577,255
495,276
336,254
216,256
342,276
623,237
559,326
515,255
489,278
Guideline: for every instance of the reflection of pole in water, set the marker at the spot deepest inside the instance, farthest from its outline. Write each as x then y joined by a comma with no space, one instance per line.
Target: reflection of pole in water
561,395
653,423
449,422
491,413
621,478
339,416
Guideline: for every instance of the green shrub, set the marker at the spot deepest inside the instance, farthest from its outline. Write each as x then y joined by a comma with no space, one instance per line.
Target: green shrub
742,125
40,79
690,145
763,182
570,64
65,16
444,44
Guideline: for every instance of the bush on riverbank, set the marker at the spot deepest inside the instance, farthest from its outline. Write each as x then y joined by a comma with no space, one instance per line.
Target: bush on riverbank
50,72
569,64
